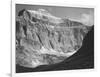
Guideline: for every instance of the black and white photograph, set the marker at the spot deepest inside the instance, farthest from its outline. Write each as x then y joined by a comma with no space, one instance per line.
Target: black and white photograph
53,38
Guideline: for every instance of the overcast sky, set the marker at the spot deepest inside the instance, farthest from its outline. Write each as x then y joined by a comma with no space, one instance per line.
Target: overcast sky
84,15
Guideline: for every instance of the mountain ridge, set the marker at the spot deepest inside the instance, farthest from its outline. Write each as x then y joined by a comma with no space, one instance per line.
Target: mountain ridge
40,33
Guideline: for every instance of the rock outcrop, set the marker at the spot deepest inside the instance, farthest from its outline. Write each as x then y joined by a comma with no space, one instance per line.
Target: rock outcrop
43,39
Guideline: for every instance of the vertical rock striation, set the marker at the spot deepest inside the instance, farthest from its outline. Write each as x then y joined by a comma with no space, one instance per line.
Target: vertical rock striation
43,39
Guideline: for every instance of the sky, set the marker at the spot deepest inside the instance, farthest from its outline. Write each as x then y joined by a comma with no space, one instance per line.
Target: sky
84,15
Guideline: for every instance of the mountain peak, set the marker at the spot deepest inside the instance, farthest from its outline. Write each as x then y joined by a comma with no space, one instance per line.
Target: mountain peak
43,11
45,15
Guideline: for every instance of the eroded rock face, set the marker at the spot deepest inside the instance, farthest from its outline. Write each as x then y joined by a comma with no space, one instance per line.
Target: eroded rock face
43,39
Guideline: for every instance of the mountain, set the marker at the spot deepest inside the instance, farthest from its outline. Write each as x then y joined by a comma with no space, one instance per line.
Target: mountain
43,39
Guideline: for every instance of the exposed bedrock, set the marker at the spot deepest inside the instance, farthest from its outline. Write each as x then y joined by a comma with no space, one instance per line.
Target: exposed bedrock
43,39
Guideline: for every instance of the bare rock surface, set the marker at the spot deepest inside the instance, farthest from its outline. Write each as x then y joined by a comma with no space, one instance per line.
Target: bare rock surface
43,39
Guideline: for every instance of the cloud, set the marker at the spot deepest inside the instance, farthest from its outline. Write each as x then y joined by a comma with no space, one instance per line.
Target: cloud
87,19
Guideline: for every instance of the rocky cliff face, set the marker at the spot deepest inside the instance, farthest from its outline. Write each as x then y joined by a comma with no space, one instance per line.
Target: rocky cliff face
43,39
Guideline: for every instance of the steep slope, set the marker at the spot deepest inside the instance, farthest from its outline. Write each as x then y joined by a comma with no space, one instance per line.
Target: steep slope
43,39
